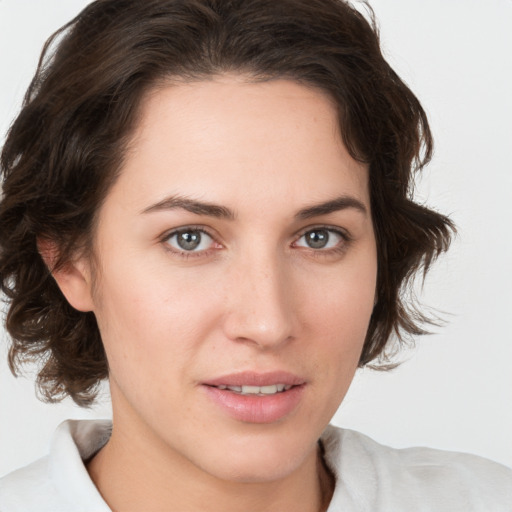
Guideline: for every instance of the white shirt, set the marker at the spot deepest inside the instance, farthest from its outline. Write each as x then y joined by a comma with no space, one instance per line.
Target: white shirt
369,477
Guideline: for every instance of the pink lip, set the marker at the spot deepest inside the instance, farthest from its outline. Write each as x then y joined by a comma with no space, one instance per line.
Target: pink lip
256,409
256,379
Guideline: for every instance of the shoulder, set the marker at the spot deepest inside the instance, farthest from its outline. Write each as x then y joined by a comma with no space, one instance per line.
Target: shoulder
27,488
381,478
58,482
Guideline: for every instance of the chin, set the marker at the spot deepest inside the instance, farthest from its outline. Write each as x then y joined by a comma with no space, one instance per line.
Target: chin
260,458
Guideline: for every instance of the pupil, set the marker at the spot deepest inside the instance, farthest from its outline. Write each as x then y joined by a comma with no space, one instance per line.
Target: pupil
189,240
317,239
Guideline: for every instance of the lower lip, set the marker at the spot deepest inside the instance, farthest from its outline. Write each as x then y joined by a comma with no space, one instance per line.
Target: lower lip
256,409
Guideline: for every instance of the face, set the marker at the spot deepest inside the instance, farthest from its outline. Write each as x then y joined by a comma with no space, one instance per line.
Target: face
236,273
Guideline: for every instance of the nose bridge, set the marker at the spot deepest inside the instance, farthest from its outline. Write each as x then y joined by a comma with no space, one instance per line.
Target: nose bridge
261,309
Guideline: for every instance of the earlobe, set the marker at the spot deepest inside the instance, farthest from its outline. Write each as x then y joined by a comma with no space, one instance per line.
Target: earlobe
73,277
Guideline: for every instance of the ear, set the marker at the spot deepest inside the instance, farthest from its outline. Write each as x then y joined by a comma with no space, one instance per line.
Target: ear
73,278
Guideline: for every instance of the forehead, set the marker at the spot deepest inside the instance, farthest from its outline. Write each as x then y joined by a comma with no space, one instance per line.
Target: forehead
228,139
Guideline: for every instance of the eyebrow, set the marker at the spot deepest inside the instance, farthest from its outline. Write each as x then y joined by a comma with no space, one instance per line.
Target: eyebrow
334,205
192,206
222,212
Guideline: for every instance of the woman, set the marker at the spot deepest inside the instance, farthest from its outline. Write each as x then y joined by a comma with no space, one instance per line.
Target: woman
207,203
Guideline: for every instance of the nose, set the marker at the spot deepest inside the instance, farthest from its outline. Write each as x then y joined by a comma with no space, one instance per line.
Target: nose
260,299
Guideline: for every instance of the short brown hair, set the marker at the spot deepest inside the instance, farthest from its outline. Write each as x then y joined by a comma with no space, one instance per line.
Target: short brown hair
65,149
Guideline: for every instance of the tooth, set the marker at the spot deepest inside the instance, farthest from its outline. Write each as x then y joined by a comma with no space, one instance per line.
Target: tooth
269,390
250,389
257,390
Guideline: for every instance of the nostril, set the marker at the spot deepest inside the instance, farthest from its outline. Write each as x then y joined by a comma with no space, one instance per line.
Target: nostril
260,306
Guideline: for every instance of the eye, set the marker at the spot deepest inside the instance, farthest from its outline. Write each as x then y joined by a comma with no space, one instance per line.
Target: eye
321,239
189,240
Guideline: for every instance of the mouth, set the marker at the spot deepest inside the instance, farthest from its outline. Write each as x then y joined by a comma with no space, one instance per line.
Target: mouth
256,398
255,383
247,390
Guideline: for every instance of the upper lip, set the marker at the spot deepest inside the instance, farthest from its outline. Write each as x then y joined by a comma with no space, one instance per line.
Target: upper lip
251,378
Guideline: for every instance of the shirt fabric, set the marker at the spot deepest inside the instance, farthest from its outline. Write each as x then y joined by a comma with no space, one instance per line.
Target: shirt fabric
369,477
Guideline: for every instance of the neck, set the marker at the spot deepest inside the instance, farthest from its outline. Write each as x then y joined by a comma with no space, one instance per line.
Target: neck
133,473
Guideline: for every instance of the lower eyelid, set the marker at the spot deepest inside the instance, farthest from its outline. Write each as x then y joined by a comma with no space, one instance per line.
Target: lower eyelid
214,245
345,238
176,250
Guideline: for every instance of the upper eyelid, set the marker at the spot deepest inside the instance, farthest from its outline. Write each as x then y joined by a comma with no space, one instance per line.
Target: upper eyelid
182,253
210,232
174,231
299,234
336,229
166,236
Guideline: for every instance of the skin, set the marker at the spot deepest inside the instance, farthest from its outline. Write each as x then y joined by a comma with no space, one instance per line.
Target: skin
253,296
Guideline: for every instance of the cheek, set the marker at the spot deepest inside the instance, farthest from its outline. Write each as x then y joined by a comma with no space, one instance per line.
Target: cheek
339,308
341,299
151,320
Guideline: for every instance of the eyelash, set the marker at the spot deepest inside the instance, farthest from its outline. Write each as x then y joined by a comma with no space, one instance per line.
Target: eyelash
339,249
186,254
